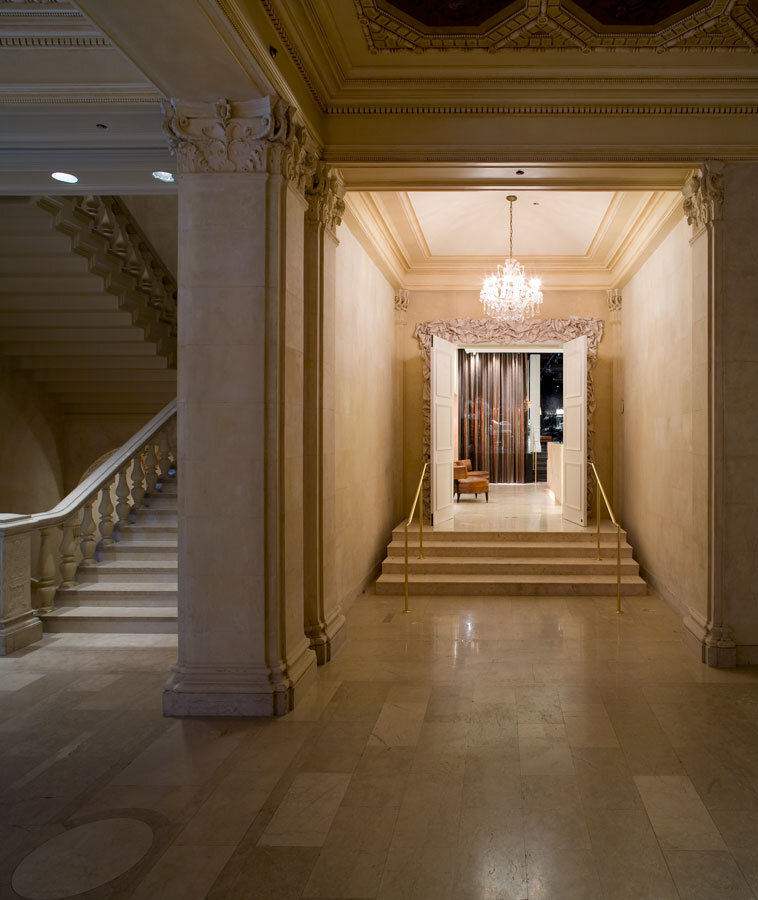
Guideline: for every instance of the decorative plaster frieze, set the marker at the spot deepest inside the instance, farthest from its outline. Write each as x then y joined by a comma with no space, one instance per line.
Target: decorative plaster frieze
401,300
262,135
614,300
43,42
720,25
498,331
704,195
325,197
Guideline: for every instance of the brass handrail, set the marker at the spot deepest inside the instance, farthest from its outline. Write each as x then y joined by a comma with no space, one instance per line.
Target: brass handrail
601,491
420,532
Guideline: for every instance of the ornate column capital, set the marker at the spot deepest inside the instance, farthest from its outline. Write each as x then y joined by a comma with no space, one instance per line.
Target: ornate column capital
262,135
401,300
324,192
704,195
614,300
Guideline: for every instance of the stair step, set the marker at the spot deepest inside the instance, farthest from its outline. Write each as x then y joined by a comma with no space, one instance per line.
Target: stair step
126,592
512,585
559,549
119,571
510,536
147,532
451,565
113,619
141,549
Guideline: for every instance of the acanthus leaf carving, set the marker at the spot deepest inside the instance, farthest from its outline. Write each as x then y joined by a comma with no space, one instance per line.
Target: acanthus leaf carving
325,197
262,135
704,195
402,299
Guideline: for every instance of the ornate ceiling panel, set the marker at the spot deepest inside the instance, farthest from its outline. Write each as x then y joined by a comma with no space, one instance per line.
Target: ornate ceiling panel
558,25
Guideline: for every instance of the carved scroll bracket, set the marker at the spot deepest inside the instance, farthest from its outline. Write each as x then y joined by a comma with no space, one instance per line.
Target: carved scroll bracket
704,195
325,197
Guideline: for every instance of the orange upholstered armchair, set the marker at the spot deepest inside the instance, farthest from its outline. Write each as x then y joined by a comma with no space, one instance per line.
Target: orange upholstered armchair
468,483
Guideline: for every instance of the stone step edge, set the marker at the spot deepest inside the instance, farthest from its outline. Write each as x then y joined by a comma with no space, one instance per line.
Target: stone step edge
389,578
111,612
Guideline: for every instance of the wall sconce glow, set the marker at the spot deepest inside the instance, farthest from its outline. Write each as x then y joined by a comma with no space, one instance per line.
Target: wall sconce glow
559,412
163,176
64,176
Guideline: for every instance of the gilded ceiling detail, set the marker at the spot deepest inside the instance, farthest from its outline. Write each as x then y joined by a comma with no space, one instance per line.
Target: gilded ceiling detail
391,25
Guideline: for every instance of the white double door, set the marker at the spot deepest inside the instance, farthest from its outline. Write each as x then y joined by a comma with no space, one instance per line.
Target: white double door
444,376
575,431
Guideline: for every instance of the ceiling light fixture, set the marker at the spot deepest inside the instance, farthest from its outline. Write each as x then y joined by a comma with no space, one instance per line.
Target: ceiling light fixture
508,294
163,176
64,176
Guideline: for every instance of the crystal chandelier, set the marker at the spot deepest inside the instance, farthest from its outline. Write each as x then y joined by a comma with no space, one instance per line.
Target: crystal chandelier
508,294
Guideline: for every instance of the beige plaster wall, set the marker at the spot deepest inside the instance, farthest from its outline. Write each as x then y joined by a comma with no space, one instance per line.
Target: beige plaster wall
30,448
367,423
427,305
156,214
656,426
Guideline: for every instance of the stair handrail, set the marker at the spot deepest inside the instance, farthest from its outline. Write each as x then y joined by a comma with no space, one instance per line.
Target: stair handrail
71,533
601,492
420,531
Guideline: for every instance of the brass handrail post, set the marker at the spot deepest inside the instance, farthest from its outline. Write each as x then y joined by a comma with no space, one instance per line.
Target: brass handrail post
601,492
420,532
597,516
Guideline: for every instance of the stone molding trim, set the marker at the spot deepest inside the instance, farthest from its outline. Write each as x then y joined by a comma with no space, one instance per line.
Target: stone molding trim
325,197
497,331
43,42
725,25
262,135
401,300
614,300
704,195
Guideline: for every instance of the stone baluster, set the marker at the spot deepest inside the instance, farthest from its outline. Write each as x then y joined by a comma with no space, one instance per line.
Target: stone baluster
68,551
171,434
106,517
138,482
151,472
48,568
88,542
165,463
122,500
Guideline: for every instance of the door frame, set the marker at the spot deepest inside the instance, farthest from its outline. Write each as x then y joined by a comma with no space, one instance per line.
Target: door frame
496,331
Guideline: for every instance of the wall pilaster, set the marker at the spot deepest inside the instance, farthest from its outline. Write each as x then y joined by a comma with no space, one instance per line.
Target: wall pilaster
324,621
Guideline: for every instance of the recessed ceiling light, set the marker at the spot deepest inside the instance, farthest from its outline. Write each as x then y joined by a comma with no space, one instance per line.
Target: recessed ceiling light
519,171
163,176
101,125
64,176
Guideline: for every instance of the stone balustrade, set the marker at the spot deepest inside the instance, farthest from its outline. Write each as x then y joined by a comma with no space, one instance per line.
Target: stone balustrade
43,552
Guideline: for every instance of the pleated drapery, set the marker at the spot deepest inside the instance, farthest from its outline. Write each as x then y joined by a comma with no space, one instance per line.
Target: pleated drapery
493,404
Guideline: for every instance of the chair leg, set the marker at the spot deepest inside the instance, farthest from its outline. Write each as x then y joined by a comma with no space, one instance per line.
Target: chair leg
487,496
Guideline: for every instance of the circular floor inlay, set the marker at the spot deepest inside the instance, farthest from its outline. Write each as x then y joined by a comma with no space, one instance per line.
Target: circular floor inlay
82,858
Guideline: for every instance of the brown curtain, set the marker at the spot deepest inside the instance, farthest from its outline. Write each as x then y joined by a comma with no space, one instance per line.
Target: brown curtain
493,404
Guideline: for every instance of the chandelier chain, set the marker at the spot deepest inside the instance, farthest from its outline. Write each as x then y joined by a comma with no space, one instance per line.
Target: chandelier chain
510,252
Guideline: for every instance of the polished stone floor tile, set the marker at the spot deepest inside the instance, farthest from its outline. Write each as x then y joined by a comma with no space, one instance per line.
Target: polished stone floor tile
476,749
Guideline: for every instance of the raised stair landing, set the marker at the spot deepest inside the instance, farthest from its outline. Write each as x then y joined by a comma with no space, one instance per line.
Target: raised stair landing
133,586
510,563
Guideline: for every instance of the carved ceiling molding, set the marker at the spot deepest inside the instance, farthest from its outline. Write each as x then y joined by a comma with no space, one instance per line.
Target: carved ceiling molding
51,95
261,135
324,194
497,331
548,109
704,195
43,42
725,25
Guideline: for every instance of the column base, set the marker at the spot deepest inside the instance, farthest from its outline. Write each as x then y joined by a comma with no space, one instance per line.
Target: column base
327,639
19,633
712,644
227,691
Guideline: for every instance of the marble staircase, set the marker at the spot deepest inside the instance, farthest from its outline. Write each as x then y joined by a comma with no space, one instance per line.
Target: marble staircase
132,587
515,563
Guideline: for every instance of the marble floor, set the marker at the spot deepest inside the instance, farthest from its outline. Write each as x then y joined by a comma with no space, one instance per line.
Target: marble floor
476,749
511,507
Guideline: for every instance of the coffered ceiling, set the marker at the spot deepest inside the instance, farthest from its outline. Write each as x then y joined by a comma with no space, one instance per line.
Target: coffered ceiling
444,240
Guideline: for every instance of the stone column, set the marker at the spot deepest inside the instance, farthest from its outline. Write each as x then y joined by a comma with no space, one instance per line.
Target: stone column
242,171
721,204
324,621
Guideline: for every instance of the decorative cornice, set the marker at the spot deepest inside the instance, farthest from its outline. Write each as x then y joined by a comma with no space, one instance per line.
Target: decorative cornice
262,135
545,109
324,195
614,300
54,42
724,25
401,300
704,195
78,93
